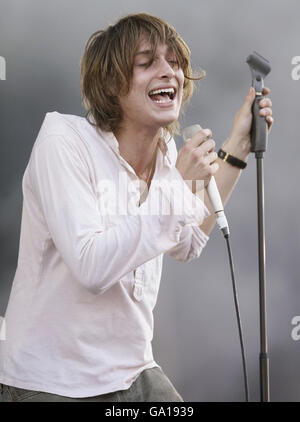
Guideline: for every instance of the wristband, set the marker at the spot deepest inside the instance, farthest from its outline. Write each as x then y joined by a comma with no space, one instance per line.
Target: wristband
236,162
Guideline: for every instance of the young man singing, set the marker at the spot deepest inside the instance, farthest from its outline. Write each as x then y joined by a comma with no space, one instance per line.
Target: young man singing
79,321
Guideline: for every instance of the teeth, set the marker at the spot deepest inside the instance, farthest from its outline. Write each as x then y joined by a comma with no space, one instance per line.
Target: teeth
158,91
162,101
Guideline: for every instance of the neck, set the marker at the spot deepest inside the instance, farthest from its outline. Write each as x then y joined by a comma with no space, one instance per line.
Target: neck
137,147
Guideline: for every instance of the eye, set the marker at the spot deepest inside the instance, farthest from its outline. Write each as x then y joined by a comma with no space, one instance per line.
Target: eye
174,63
145,64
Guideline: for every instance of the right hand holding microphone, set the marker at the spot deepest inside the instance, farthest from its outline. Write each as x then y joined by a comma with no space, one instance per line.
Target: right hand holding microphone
196,160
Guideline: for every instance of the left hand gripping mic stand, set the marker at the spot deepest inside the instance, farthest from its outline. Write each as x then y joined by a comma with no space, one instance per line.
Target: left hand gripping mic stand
260,68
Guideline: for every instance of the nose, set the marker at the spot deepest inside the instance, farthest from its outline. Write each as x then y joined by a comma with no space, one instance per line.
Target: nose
166,70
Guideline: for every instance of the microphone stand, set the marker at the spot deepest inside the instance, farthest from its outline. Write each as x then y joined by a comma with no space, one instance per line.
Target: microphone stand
263,357
260,67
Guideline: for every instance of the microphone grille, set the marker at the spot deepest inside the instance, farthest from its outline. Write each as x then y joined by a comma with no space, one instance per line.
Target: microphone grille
190,131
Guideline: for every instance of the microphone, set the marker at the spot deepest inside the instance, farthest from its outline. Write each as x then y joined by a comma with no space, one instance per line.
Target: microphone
212,189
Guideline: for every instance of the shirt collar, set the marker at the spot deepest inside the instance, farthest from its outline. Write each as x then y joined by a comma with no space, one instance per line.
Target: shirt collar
113,143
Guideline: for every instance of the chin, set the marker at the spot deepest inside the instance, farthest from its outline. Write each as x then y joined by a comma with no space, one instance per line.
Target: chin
167,121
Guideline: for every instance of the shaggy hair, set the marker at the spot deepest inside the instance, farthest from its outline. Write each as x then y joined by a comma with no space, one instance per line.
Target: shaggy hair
107,66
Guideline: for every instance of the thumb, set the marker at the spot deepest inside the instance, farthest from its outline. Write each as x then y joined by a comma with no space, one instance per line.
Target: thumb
249,99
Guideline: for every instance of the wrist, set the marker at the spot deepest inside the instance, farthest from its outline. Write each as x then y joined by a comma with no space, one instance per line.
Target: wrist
238,147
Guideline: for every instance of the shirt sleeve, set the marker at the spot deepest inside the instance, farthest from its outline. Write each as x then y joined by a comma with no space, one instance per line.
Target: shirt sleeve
97,256
191,243
192,238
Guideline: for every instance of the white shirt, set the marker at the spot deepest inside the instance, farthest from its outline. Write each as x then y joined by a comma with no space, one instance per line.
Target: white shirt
79,319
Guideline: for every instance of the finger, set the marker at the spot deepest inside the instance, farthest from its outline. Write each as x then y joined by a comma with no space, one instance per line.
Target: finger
206,147
200,137
201,152
211,157
266,91
207,159
270,121
249,99
213,168
266,102
266,111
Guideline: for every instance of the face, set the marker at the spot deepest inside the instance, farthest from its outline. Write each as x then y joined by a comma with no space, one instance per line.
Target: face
163,79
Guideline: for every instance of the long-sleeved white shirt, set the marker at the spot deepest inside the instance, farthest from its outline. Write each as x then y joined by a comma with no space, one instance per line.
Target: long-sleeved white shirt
79,319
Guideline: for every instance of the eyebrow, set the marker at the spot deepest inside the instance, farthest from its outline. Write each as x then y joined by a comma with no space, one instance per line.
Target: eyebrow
144,52
148,52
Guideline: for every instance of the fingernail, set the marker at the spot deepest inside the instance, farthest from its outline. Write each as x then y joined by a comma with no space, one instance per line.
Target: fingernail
207,132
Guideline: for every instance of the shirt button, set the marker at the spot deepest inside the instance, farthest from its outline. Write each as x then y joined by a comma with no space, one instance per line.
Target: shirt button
139,274
138,292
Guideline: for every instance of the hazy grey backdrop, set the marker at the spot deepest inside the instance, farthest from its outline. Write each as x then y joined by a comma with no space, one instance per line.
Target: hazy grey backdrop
195,339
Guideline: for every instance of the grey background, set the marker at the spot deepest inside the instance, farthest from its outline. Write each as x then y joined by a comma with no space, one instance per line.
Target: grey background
195,339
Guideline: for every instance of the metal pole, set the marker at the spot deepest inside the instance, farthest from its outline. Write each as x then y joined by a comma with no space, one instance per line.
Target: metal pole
263,357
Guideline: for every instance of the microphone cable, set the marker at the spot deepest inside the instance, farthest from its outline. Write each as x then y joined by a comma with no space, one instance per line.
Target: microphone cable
236,303
222,223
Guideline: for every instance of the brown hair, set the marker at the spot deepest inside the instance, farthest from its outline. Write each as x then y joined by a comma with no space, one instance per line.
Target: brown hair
107,66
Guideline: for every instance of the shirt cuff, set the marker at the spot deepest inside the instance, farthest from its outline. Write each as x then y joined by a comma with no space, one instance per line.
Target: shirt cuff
200,238
183,200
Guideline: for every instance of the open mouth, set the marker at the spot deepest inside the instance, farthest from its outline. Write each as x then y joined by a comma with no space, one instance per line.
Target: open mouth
164,95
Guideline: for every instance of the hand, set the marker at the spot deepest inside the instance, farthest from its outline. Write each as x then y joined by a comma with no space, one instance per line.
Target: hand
196,160
243,118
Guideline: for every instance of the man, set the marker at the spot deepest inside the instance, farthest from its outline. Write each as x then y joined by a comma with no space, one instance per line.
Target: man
79,320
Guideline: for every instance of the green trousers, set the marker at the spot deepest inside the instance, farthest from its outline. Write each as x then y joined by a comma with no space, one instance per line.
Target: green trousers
152,385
